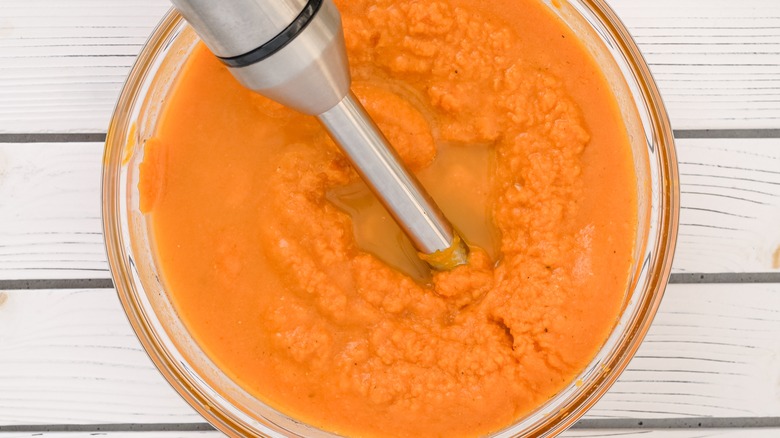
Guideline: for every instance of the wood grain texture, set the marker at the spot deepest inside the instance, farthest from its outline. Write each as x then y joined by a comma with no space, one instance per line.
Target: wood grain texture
712,351
70,357
50,225
730,205
62,64
717,62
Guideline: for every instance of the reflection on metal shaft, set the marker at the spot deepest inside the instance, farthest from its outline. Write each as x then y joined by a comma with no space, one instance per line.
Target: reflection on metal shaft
381,168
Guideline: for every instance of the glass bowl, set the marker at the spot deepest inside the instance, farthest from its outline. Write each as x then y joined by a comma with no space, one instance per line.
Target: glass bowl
237,413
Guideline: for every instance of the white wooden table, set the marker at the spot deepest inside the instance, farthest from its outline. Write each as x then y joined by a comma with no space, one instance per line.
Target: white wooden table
71,366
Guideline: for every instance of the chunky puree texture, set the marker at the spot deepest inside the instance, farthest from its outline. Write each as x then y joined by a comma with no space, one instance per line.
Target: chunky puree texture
265,271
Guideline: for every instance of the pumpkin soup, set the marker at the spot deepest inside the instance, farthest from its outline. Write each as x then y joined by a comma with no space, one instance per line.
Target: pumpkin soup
297,284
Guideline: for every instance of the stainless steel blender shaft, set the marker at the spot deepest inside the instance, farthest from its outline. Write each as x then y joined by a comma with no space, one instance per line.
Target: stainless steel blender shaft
382,170
293,51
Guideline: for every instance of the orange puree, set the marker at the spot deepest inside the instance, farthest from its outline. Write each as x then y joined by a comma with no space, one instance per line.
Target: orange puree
253,223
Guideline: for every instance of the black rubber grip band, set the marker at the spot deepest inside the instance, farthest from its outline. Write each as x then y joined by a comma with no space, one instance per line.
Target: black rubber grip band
277,42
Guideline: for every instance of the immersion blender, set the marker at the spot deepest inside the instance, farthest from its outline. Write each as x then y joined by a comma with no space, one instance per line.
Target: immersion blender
293,51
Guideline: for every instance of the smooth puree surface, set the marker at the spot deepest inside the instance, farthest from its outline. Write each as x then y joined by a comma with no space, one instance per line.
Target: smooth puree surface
250,206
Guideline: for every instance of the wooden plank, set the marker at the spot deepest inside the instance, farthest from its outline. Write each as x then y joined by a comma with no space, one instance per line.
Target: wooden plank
62,64
712,352
69,357
50,226
50,222
717,64
730,205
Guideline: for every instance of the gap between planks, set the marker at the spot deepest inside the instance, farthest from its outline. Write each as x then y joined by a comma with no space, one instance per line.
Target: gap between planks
675,278
80,137
660,423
